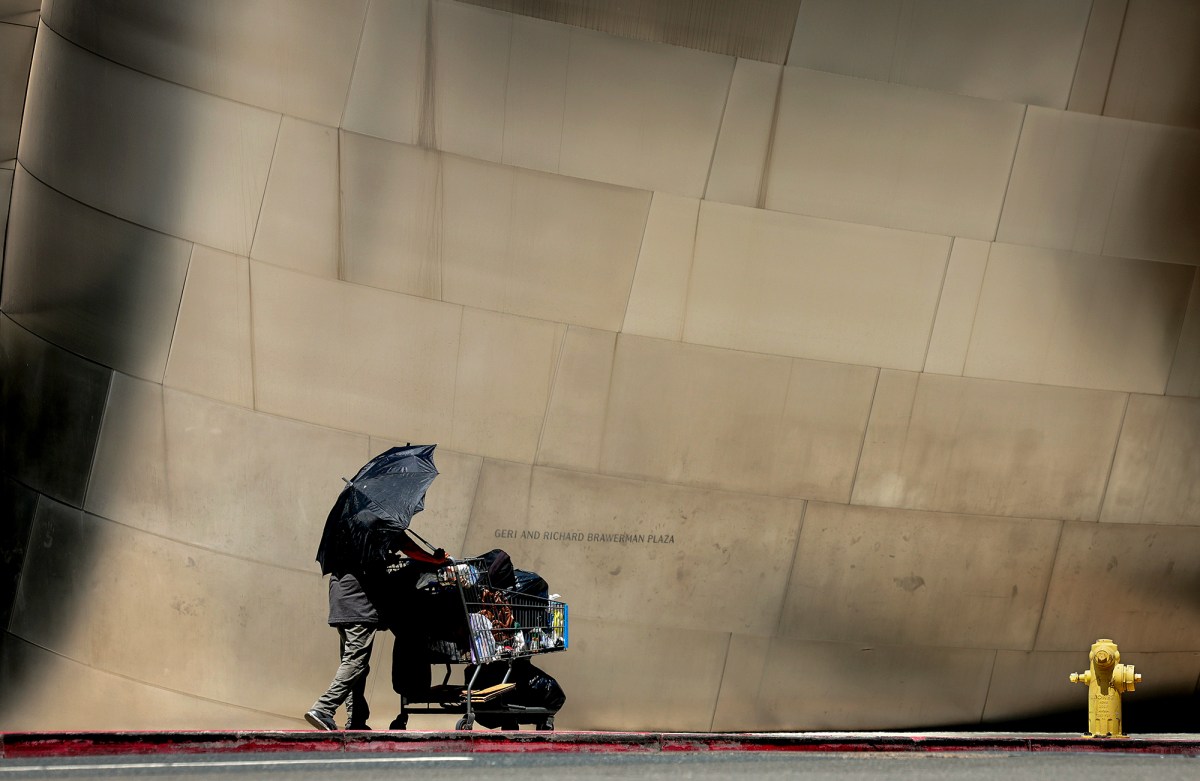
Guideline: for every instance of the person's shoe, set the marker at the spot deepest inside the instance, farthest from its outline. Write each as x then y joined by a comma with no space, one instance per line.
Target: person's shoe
320,720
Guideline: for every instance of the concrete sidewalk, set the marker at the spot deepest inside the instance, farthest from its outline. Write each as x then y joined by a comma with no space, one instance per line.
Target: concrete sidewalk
60,744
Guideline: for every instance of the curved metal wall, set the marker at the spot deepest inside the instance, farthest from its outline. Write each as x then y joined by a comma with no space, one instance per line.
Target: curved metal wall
825,384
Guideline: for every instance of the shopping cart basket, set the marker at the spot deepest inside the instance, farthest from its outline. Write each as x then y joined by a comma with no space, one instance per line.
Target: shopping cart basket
488,625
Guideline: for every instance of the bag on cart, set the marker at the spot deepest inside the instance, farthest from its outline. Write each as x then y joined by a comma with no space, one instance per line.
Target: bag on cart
531,583
535,689
499,567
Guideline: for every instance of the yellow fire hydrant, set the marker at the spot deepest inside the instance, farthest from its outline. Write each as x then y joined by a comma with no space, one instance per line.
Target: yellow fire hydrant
1106,680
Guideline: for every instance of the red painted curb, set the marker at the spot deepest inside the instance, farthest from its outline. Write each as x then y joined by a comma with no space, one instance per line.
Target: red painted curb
61,744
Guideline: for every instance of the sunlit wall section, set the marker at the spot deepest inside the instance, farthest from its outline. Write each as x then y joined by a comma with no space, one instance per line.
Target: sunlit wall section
824,358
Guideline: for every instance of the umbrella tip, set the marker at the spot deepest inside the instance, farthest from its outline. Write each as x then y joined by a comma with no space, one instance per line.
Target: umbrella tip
347,482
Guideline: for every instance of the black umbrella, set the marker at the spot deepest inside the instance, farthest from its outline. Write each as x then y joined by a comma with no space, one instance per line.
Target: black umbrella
375,508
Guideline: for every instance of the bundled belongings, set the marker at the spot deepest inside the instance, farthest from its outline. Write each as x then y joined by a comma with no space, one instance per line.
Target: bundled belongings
487,614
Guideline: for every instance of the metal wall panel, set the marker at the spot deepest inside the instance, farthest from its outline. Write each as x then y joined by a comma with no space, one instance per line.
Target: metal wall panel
296,62
539,245
956,307
210,350
1064,318
918,579
738,421
471,67
52,404
299,226
389,83
17,506
217,476
658,298
505,366
740,159
741,680
352,357
1110,186
536,93
101,287
642,115
1155,473
16,54
391,207
574,427
87,132
841,686
1019,50
1148,575
643,554
755,29
790,285
1185,371
46,691
1094,69
1154,76
259,625
988,447
624,676
884,154
1045,687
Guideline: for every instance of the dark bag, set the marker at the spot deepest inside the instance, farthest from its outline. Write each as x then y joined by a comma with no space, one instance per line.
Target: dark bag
499,568
531,583
535,689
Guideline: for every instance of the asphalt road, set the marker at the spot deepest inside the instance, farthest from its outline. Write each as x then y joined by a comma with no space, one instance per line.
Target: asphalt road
594,767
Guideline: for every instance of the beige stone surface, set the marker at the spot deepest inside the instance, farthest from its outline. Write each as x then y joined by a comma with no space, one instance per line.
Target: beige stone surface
1147,575
1153,210
891,155
734,420
97,579
1047,316
217,476
988,447
822,686
299,225
1019,50
536,92
88,282
632,552
76,138
388,87
790,285
575,416
658,297
502,384
1155,475
623,676
1103,185
737,702
909,578
957,307
538,244
210,347
299,64
1185,370
1064,180
740,160
1154,77
391,207
352,357
38,682
471,74
642,114
1094,69
1028,684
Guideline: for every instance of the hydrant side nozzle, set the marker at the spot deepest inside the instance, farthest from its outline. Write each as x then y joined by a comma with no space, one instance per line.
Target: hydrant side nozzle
1084,678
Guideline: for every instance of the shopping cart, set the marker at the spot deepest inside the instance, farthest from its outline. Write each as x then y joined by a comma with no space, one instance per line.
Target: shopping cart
482,625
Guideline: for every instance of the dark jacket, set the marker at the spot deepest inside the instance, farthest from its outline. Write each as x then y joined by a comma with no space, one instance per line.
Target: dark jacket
349,603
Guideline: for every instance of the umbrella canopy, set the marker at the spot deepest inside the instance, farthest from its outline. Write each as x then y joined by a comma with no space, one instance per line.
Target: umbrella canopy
374,508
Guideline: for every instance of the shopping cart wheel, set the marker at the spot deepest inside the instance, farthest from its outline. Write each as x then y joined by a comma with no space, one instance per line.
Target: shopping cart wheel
464,724
400,722
546,725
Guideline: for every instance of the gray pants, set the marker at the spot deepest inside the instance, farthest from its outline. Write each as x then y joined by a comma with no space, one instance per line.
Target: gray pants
350,681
